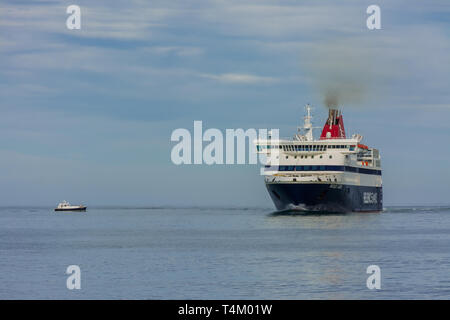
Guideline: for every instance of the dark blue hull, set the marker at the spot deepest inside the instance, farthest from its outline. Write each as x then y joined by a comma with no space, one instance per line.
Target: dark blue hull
326,197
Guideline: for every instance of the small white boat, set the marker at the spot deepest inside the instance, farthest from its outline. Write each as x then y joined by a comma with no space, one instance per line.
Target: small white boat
65,206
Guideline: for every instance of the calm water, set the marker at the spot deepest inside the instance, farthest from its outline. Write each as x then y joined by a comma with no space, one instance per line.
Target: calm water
201,253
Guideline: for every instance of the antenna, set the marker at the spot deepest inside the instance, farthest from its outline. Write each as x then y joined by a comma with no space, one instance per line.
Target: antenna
308,124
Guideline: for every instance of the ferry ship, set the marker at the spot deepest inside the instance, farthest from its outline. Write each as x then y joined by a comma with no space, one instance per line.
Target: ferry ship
330,174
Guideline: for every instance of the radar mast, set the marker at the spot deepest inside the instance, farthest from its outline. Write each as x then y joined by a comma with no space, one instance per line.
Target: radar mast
307,126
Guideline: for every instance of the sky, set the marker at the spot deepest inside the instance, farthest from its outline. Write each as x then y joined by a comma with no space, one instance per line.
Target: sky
87,115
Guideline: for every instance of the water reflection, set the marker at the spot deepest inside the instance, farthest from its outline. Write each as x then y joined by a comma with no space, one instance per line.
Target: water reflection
328,248
322,220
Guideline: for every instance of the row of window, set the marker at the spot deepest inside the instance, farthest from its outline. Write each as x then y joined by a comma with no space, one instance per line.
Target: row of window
269,146
317,147
312,157
313,147
324,168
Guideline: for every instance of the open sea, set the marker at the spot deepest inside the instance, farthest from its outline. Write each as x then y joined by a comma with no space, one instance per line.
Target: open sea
224,253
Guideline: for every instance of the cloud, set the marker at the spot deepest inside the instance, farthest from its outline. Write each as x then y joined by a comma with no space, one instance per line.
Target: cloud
182,51
97,20
239,78
159,47
407,65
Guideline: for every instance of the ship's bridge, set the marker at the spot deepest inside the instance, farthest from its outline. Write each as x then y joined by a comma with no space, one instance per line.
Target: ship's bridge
308,147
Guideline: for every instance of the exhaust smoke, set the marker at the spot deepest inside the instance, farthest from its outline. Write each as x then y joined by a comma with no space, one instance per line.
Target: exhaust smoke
341,73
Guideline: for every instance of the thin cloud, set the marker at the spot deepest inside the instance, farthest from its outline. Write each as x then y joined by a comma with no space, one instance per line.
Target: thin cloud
240,78
182,51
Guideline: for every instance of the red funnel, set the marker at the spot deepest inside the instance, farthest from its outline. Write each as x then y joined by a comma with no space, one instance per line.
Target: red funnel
334,127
